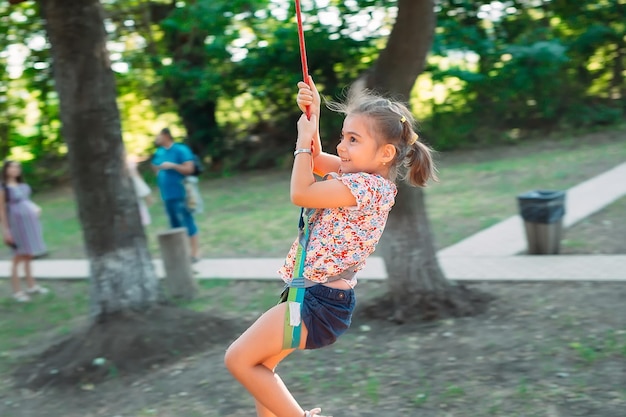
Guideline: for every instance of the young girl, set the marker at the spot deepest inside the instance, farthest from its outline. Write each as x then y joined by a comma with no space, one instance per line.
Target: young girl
21,229
352,208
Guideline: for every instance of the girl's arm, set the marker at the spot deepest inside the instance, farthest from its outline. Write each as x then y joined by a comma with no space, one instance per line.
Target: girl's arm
6,231
305,191
325,163
308,96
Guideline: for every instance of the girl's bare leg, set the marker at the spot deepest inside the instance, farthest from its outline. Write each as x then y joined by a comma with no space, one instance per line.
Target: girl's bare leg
15,278
253,356
271,364
30,281
262,411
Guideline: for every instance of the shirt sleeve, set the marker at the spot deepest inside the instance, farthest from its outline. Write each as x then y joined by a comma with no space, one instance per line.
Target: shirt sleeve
184,152
368,190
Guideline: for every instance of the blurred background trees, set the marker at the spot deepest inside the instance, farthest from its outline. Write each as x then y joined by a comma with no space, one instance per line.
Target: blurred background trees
222,73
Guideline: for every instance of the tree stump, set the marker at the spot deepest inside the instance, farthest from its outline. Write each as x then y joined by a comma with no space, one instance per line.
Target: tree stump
176,256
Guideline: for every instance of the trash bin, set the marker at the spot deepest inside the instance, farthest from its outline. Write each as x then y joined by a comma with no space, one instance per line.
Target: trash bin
542,212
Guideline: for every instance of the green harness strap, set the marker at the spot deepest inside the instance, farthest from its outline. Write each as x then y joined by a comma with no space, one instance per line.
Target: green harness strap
295,292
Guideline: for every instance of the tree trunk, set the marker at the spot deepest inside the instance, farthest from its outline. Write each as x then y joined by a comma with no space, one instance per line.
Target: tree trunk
404,57
200,123
617,75
5,129
410,256
122,274
417,284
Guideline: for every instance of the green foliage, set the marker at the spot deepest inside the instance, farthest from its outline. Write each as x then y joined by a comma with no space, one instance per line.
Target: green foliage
527,67
523,88
29,108
272,68
593,114
244,57
23,40
223,73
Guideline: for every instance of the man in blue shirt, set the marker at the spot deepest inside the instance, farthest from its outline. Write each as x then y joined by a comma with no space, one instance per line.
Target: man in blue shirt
173,162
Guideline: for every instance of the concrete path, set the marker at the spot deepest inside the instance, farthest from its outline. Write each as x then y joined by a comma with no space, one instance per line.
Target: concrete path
508,237
476,268
485,256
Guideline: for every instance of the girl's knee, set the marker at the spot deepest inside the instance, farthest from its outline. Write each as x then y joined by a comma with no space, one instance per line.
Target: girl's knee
232,360
237,359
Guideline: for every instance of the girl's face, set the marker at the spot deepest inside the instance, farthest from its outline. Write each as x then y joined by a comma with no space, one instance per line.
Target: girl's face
14,170
358,150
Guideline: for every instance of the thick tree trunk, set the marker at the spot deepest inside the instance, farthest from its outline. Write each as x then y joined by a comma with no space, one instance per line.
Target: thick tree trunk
417,284
5,129
404,57
201,125
410,257
122,274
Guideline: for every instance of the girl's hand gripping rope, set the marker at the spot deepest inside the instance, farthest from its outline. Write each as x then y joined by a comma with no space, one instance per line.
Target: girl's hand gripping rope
309,97
307,129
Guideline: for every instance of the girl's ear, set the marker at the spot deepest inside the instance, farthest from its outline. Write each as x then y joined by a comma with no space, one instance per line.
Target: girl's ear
388,153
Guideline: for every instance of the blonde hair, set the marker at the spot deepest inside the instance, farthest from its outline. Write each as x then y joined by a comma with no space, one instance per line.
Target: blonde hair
392,123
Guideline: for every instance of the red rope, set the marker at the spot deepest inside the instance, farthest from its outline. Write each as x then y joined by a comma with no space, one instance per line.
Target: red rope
305,69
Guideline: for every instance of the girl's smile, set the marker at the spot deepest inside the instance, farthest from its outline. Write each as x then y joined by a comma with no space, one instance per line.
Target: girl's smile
357,149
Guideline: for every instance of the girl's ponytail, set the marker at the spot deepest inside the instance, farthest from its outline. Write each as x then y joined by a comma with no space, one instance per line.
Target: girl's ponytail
416,156
419,163
393,123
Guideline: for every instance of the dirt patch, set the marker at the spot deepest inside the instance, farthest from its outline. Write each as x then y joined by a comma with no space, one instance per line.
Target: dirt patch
458,301
542,349
124,344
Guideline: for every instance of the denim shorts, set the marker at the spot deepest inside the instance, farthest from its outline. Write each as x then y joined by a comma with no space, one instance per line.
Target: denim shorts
180,216
327,314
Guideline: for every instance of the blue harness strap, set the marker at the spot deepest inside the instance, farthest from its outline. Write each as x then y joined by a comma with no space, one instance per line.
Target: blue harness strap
295,292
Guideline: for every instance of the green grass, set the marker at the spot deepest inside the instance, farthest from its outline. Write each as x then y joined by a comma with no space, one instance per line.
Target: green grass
229,296
57,314
596,347
250,215
474,195
48,316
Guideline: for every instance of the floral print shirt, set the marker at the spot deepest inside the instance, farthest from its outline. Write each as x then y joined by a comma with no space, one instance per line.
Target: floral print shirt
342,238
